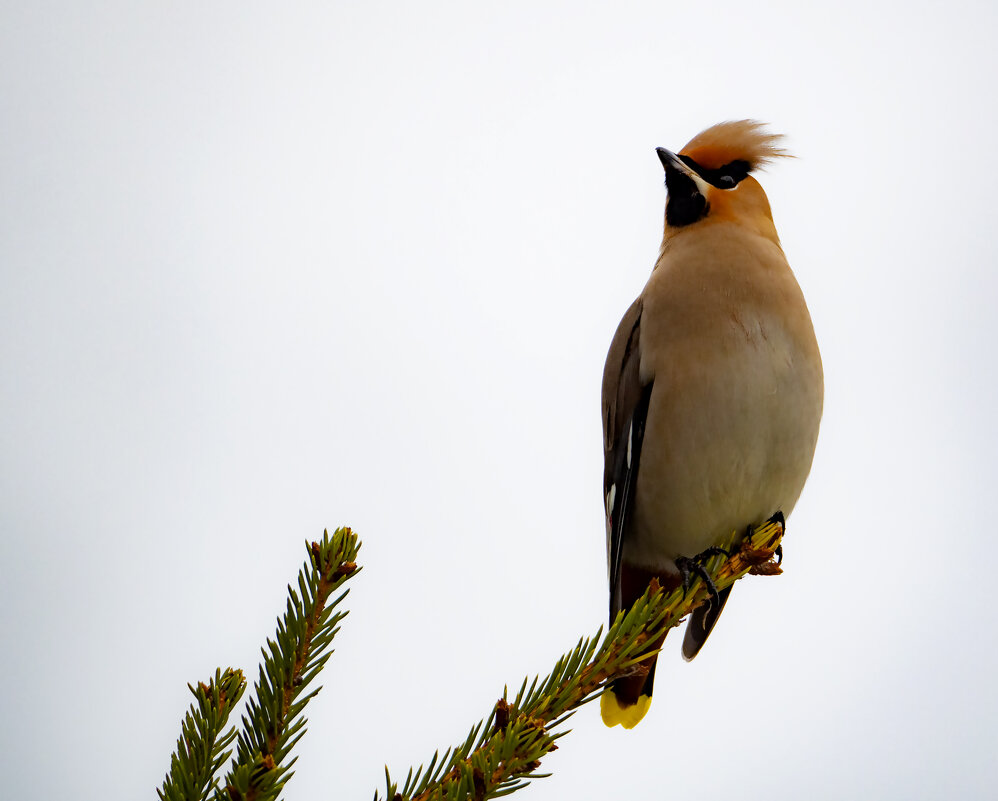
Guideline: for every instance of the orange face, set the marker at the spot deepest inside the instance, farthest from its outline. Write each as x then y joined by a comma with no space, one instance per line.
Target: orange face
710,182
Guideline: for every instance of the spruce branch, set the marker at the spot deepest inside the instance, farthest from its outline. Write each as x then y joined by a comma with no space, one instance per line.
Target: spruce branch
503,753
201,747
273,722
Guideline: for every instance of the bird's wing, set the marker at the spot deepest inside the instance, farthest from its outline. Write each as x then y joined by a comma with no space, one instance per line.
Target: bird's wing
702,623
625,407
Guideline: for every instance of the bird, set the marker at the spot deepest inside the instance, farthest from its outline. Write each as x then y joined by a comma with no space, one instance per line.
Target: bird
712,390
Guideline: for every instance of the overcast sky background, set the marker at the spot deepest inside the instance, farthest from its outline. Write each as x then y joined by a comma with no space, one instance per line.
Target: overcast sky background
270,268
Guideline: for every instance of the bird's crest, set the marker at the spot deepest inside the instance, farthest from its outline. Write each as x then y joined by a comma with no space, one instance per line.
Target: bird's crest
735,140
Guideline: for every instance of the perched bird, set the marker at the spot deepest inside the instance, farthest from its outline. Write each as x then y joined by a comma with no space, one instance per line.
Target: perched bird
712,390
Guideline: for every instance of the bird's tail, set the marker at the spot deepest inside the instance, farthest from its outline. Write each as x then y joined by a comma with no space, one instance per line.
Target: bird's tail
615,712
628,698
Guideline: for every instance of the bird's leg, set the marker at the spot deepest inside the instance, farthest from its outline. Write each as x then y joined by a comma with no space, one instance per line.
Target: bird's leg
779,518
754,553
694,566
684,565
713,550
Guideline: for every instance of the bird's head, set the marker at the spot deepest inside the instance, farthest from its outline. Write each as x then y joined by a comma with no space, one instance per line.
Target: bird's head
710,179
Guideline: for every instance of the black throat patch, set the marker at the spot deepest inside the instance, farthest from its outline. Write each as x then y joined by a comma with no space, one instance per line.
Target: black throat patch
685,204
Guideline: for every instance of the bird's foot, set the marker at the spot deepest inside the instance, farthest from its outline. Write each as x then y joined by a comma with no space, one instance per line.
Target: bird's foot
694,566
760,555
782,521
713,550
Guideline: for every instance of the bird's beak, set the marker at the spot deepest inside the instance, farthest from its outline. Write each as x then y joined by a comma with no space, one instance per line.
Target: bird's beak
671,160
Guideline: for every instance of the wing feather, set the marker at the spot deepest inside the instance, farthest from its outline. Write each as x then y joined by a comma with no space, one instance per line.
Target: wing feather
625,409
702,623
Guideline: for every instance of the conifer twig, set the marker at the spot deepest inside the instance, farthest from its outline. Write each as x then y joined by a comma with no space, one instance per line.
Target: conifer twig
502,753
273,723
201,747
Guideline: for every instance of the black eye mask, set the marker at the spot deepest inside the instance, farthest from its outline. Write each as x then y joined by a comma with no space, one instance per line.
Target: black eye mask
726,177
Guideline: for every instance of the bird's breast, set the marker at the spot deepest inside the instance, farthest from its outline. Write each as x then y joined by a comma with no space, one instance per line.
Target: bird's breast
735,407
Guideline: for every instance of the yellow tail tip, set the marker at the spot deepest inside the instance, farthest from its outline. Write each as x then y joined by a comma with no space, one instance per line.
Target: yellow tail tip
614,713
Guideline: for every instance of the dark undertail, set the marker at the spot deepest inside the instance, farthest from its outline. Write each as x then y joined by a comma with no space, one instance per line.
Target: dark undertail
634,581
629,689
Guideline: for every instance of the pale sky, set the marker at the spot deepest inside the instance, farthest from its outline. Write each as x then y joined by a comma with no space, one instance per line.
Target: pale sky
270,268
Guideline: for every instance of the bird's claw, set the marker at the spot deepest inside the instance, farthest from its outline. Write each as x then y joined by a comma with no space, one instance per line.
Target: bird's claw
782,521
693,566
760,556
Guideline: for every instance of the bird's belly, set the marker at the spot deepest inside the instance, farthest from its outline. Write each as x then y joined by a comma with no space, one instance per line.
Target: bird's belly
721,453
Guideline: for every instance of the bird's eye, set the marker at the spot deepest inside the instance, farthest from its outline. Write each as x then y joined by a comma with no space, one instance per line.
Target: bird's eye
726,177
732,174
